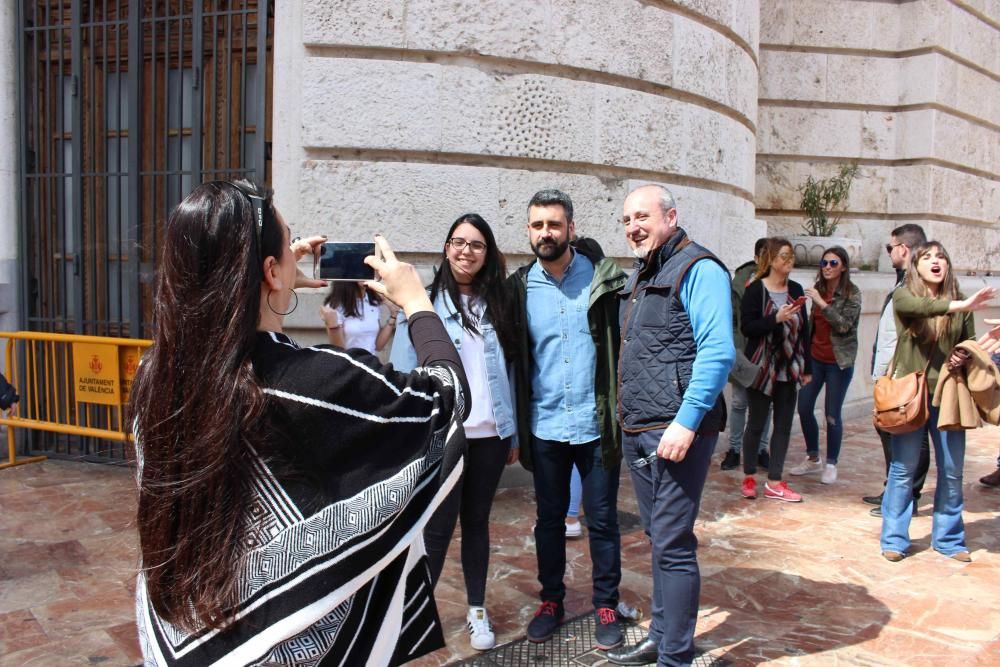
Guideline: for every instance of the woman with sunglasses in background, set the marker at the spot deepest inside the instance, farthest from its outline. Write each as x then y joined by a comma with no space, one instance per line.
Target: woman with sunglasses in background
836,311
283,490
353,317
931,318
773,319
470,296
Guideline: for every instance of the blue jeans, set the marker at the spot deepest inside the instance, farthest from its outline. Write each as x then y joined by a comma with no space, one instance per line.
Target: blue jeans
554,462
837,380
948,530
669,497
738,421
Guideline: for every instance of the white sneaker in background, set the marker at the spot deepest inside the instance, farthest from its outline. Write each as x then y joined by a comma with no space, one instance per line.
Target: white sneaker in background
806,467
829,474
480,629
574,529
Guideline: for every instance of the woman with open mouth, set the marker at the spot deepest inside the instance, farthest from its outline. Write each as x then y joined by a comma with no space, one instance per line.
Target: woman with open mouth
932,316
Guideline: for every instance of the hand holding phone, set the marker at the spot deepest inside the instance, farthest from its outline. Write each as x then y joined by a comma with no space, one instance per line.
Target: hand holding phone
801,301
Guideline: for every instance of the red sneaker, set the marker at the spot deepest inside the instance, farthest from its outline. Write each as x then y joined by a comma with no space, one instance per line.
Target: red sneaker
749,488
780,491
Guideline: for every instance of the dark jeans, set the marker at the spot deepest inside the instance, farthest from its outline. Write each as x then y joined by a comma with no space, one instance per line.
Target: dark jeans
782,400
837,380
471,499
923,462
554,462
669,496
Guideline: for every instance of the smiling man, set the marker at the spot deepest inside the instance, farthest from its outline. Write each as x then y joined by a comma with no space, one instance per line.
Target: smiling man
676,353
566,313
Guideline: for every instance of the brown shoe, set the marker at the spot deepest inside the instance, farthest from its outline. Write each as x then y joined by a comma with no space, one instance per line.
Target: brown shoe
993,479
892,556
962,556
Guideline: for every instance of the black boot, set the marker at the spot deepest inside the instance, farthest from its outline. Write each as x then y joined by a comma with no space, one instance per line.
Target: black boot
643,653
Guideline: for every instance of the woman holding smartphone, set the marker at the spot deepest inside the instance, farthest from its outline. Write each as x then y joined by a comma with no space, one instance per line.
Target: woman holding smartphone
836,311
774,320
931,318
353,317
469,295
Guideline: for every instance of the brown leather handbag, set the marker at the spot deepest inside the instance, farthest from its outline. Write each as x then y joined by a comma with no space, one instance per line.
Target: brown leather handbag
901,403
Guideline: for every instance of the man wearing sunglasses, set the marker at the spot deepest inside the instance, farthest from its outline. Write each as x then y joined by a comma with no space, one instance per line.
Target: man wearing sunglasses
901,245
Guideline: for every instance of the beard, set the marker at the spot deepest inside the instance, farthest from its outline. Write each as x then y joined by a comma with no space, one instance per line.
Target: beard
550,251
640,252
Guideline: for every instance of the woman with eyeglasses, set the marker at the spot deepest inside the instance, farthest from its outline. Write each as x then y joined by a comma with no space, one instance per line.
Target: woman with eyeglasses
932,317
283,490
470,296
774,320
836,311
353,315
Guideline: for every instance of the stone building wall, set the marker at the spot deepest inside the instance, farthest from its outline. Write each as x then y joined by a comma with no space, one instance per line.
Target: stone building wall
400,115
908,89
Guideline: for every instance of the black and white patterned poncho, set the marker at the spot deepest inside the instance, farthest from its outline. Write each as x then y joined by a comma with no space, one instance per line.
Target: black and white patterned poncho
335,572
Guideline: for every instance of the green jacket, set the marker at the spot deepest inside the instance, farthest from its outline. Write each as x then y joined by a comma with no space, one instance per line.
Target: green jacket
843,313
913,351
602,314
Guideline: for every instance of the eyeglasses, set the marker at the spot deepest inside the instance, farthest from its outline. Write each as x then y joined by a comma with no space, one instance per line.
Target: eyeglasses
786,256
829,262
890,246
258,215
458,243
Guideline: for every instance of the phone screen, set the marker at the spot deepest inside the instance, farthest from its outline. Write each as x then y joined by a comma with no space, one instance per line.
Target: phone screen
344,261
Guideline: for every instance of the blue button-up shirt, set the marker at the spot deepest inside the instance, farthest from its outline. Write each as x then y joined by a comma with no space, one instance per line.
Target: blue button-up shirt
563,404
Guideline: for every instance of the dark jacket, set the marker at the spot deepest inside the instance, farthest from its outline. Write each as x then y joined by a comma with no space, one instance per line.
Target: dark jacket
757,328
602,314
658,344
8,395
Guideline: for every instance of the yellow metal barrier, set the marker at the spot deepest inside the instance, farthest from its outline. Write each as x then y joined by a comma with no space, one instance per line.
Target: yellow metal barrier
77,385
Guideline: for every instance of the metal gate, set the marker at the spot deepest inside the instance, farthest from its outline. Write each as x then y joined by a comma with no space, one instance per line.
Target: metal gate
126,105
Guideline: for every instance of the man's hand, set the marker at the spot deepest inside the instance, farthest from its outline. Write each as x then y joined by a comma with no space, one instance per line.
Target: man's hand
675,442
513,455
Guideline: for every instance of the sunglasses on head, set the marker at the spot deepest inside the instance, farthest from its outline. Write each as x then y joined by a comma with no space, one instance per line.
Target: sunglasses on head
258,204
829,262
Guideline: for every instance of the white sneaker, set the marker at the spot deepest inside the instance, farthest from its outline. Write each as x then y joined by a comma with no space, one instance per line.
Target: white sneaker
574,529
806,467
829,474
480,629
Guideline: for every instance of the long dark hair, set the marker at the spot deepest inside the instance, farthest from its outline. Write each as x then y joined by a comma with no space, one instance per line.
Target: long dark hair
489,285
344,294
844,284
925,327
196,405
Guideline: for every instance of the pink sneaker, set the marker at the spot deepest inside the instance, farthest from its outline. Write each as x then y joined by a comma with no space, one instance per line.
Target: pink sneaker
780,491
749,488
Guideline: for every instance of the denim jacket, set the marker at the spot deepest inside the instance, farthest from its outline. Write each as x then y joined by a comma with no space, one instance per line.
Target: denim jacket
404,358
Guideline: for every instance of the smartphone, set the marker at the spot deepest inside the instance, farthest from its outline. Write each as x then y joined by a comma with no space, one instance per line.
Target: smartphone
801,301
344,261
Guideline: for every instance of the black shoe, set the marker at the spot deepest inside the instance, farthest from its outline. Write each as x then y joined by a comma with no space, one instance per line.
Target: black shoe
546,620
873,500
607,631
763,460
643,653
731,460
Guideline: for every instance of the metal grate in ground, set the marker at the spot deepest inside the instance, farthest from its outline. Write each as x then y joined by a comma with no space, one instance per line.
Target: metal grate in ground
573,644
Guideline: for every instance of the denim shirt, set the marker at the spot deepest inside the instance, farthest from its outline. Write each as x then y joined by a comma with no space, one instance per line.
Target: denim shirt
404,358
563,405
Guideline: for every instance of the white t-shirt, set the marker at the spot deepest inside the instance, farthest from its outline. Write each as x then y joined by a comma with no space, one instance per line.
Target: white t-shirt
361,331
480,423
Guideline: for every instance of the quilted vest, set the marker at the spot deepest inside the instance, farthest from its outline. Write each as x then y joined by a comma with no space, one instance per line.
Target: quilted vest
658,345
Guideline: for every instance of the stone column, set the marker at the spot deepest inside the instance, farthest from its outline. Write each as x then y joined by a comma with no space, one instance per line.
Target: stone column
9,171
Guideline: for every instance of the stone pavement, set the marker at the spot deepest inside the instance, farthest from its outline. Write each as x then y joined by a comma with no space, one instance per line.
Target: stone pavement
784,584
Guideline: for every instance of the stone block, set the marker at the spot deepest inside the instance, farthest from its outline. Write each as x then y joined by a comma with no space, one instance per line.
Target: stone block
878,134
370,103
745,21
698,50
741,83
818,132
871,80
832,23
926,23
348,22
977,95
505,29
963,195
790,75
910,189
958,141
775,22
973,39
633,129
918,77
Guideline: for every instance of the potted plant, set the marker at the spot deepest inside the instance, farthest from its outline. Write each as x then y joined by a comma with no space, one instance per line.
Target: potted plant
824,201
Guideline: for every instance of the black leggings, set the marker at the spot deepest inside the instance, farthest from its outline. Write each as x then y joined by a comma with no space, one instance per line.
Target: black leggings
471,499
783,399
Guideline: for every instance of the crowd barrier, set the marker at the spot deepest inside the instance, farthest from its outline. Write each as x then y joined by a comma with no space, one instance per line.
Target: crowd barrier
69,384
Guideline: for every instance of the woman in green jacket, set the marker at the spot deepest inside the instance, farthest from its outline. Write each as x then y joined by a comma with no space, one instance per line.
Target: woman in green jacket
931,318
